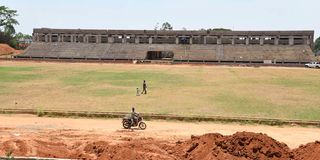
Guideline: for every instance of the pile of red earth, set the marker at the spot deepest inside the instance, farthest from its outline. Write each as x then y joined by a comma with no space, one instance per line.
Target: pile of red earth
239,146
7,50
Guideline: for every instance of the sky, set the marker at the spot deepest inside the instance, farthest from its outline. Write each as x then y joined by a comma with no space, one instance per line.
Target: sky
189,14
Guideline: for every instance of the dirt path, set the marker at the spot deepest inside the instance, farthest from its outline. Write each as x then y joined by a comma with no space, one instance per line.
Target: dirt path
162,130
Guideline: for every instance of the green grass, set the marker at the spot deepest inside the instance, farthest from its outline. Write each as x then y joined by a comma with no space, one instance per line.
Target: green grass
288,93
17,74
123,79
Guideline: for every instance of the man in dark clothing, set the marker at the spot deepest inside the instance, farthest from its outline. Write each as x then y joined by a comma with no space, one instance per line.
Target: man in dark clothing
134,116
144,87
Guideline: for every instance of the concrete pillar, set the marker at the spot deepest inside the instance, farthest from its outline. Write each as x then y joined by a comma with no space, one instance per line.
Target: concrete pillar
98,38
50,37
233,41
34,37
137,39
191,40
291,40
205,40
276,41
110,39
71,38
177,40
150,40
37,38
85,39
46,38
124,39
62,38
219,40
262,40
308,41
247,40
59,38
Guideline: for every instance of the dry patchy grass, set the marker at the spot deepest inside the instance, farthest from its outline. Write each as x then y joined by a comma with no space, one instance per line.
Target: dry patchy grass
290,93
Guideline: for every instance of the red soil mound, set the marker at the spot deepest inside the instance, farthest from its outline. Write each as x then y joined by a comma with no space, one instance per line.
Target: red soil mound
309,151
132,149
6,50
239,146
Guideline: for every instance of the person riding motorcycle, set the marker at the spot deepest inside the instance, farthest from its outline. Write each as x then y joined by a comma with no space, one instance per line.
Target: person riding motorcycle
134,116
133,120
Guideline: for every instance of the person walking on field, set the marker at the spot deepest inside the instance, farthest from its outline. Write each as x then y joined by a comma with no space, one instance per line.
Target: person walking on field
144,87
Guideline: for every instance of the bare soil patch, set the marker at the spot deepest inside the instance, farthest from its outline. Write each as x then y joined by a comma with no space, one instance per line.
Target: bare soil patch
241,145
6,50
26,135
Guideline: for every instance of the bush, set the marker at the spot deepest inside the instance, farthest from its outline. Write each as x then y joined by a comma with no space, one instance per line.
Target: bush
40,112
7,39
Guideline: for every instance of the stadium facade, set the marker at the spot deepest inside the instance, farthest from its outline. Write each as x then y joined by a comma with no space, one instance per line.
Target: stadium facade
175,45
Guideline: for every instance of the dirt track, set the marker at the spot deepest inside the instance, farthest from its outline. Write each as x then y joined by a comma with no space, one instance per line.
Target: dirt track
28,135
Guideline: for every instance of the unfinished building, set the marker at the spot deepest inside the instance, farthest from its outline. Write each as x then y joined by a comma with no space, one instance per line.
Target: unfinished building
196,46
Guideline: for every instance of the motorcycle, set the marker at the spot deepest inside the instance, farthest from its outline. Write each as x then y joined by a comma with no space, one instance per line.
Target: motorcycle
127,122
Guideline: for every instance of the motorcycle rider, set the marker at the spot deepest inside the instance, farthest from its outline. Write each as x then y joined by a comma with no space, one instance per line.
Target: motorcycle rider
134,116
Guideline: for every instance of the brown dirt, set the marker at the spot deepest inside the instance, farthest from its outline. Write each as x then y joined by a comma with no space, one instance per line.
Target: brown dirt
309,151
241,145
26,135
7,50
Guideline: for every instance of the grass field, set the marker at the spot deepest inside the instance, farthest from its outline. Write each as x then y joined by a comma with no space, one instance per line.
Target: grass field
269,92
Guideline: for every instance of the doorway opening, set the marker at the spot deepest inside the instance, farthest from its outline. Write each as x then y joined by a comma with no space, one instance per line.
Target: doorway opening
160,55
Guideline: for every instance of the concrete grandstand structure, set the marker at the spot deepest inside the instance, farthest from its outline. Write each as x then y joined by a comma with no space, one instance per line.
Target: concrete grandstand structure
197,46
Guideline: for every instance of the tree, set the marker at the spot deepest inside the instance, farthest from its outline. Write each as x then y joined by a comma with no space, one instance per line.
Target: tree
156,26
7,20
166,26
22,36
317,45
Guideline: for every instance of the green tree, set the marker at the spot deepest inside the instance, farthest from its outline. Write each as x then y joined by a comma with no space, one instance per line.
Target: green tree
7,20
317,45
166,26
21,35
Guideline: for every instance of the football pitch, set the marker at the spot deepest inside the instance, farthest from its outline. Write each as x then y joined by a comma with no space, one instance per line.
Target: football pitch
266,92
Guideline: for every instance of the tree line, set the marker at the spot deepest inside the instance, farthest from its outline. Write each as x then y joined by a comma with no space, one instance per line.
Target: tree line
8,33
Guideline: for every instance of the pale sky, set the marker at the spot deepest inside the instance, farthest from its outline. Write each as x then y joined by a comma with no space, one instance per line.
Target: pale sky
145,14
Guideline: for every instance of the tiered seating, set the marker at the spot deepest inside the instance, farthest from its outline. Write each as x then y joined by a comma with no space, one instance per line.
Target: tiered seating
268,52
282,53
